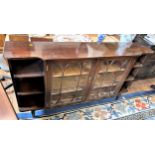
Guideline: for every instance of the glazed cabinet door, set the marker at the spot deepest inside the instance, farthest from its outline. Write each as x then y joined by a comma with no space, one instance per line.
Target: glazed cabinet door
109,77
73,81
67,81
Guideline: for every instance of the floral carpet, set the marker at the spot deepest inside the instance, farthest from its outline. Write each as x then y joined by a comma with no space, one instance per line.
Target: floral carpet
136,106
140,107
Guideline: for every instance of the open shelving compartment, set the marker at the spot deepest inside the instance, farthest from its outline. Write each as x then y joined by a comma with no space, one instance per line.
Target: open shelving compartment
28,77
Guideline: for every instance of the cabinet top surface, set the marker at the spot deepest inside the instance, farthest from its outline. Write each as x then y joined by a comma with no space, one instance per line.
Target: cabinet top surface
72,50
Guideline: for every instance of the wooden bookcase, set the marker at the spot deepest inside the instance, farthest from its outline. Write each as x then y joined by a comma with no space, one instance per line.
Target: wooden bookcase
47,74
28,79
147,70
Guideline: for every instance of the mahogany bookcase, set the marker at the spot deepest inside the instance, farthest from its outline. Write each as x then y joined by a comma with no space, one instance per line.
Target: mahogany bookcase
50,74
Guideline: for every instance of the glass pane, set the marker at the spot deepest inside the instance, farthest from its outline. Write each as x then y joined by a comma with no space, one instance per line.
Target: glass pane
101,93
107,78
69,81
73,68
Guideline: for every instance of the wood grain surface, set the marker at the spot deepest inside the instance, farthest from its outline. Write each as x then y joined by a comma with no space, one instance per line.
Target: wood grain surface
6,110
72,50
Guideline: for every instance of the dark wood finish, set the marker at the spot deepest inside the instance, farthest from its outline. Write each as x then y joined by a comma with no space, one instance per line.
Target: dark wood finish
126,73
28,79
48,74
61,51
2,40
18,37
48,82
6,110
34,39
148,61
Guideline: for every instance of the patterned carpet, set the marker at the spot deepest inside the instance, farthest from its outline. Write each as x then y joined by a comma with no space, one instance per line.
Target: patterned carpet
130,107
136,106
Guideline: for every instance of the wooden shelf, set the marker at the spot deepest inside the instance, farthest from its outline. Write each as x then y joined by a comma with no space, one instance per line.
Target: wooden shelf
105,86
114,68
138,65
29,85
30,102
75,71
22,109
123,91
29,93
130,78
27,68
28,75
67,92
80,90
